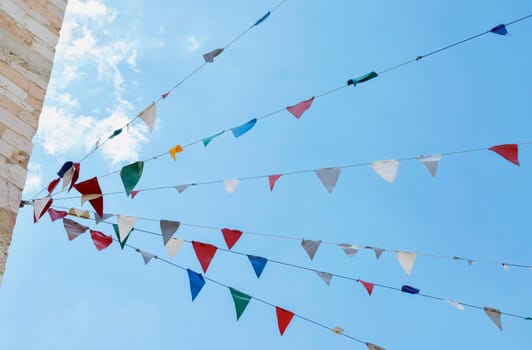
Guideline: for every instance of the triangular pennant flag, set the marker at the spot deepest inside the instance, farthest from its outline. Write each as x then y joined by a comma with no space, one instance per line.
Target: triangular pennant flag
258,264
130,175
499,29
104,217
244,128
310,247
208,140
409,289
406,260
241,301
338,330
362,78
469,262
283,318
100,240
325,276
262,19
231,236
165,95
273,179
80,213
204,252
148,115
66,166
40,206
91,189
71,176
510,152
56,214
494,315
168,229
73,229
456,304
431,162
505,266
196,283
300,108
115,133
349,249
173,245
328,177
378,251
174,150
369,286
134,193
125,225
387,169
209,56
230,185
89,197
117,232
182,188
53,185
146,256
372,346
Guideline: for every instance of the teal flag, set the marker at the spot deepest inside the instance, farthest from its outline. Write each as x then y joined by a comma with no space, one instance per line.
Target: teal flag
115,133
117,233
362,78
207,140
130,175
241,301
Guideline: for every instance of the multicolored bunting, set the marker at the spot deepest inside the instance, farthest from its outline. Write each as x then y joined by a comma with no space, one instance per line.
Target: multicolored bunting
349,249
40,206
494,315
284,317
208,140
499,29
209,56
431,162
262,19
104,217
409,289
244,128
100,240
510,152
130,175
182,188
173,246
329,177
231,237
168,229
362,78
53,184
196,281
146,256
56,214
297,110
117,233
406,260
73,229
369,286
258,264
325,276
148,115
125,226
80,213
272,180
372,346
115,133
456,304
311,247
241,301
175,150
204,252
230,185
92,192
387,169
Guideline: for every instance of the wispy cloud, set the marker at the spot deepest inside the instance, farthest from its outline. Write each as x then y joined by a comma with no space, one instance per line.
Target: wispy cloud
34,178
193,43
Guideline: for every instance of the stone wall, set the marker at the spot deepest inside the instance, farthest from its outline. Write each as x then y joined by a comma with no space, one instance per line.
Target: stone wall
29,32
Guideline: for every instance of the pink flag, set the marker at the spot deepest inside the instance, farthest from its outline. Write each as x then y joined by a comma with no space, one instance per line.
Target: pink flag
300,108
56,214
273,179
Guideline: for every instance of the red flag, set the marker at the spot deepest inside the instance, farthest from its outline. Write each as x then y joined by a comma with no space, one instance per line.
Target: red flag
368,286
283,318
231,236
134,193
204,252
53,185
508,151
56,214
273,179
298,110
101,241
92,187
75,176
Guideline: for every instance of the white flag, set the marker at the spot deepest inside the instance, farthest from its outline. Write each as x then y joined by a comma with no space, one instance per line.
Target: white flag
182,188
325,276
494,315
209,56
387,169
456,304
431,162
328,177
102,218
173,246
146,256
230,185
406,260
89,197
310,247
39,205
148,115
349,249
67,177
125,224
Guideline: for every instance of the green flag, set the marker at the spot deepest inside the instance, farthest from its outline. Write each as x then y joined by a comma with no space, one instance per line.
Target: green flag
241,301
130,175
117,232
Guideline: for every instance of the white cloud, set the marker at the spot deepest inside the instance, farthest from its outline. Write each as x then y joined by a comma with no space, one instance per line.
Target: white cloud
34,178
193,43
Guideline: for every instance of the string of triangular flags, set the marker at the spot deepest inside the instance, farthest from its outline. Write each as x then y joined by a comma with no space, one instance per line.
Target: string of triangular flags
205,253
310,246
386,169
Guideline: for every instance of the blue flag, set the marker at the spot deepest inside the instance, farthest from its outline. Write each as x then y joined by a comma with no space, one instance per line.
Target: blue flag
258,264
65,168
262,19
196,283
207,140
408,289
500,29
244,128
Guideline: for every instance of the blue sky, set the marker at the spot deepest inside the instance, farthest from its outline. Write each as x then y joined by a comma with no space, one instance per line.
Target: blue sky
114,58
